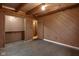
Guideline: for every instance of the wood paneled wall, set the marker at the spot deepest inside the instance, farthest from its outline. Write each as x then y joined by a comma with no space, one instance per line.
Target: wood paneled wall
18,35
2,32
40,29
14,28
28,28
62,27
13,23
14,36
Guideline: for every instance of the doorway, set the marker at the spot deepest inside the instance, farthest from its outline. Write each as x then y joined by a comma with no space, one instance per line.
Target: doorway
35,25
14,29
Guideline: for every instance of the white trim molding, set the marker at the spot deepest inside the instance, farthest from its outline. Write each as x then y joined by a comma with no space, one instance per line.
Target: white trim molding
69,46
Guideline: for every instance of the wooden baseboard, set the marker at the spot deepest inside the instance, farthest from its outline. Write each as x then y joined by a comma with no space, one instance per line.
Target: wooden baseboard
69,46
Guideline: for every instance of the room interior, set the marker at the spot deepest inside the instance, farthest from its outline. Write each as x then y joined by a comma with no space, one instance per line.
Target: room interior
56,23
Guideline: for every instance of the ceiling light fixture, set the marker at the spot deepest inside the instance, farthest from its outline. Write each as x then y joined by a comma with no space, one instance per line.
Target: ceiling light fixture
44,7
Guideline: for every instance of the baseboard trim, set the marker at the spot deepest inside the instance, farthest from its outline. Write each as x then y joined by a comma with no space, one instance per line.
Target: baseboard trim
69,46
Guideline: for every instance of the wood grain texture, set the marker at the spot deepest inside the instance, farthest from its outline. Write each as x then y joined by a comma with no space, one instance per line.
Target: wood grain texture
14,36
62,26
12,12
13,23
57,8
29,6
2,33
28,28
40,29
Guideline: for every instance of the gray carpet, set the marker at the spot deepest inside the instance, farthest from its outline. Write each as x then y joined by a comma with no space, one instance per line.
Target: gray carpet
37,48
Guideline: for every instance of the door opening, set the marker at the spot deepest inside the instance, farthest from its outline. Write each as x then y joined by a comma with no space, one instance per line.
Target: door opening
35,24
